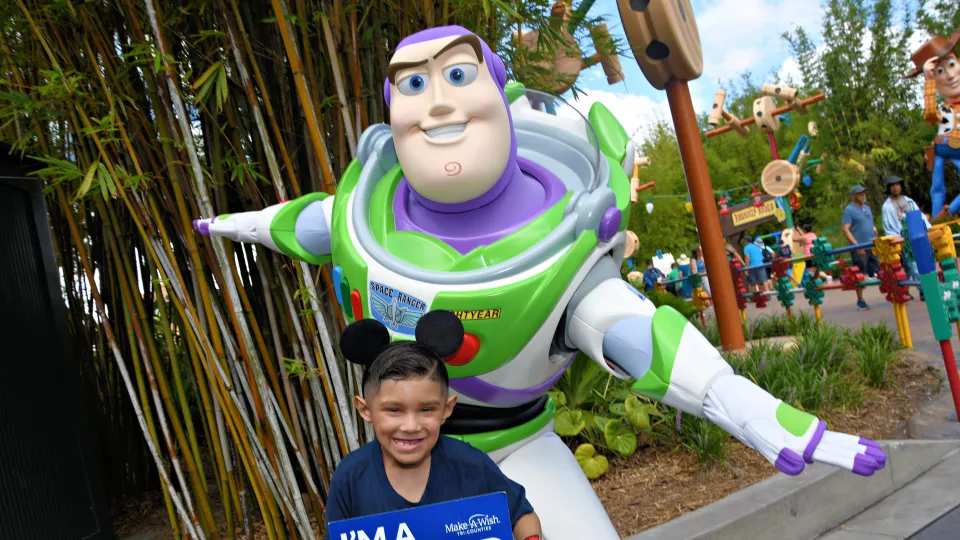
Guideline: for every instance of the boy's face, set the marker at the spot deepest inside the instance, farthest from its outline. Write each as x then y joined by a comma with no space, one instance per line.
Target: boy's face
406,416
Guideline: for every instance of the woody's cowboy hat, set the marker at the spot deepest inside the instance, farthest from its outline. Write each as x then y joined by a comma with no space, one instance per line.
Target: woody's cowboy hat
937,46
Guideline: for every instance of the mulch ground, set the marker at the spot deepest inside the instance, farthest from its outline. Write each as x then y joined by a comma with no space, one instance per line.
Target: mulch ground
661,483
658,483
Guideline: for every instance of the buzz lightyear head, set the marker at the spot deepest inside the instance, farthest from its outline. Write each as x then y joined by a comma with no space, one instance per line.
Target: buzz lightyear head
450,118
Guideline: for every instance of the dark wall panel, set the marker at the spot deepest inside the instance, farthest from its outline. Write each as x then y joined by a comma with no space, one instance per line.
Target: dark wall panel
49,483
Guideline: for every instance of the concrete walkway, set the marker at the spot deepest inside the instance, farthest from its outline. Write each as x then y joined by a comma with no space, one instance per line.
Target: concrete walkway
928,508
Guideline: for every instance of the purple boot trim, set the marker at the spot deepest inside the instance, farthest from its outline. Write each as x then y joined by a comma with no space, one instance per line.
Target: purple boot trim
202,226
868,443
814,442
789,462
864,465
877,456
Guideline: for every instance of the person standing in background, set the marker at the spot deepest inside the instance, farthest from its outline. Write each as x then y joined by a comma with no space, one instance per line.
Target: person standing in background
753,253
859,228
892,212
686,270
699,266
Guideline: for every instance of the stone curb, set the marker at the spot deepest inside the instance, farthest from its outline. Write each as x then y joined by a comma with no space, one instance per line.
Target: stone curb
804,506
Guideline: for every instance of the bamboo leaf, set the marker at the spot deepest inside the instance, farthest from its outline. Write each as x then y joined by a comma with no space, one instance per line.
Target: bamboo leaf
210,71
87,180
486,7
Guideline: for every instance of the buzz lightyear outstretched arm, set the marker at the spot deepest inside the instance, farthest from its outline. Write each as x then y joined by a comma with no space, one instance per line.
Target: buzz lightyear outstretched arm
674,364
299,228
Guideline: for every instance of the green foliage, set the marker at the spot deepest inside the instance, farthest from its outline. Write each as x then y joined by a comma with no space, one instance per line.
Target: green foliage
705,439
874,348
870,125
600,411
666,299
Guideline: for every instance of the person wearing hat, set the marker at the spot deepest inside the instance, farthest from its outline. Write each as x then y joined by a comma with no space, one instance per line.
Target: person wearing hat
893,211
859,228
938,62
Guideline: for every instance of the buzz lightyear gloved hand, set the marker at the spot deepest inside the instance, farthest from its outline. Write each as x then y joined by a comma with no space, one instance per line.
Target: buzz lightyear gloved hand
674,364
787,437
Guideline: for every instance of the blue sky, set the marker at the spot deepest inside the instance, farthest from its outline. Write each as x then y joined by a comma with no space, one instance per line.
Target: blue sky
736,36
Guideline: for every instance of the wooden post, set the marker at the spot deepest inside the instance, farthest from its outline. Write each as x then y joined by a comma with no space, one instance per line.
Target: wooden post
705,212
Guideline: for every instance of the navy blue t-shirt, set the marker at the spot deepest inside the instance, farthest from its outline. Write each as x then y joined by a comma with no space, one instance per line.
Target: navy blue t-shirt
360,487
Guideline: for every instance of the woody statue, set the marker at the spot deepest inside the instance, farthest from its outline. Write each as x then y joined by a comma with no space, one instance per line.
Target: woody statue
938,62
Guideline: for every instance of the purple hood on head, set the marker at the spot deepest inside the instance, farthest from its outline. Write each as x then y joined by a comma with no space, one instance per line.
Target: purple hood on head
499,73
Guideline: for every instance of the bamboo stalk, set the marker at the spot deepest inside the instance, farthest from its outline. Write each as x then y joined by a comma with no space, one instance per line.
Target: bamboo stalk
319,149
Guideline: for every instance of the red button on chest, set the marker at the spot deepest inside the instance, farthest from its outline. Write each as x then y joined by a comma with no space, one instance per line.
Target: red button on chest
467,351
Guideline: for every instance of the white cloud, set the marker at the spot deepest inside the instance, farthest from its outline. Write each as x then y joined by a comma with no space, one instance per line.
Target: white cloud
635,113
742,35
790,72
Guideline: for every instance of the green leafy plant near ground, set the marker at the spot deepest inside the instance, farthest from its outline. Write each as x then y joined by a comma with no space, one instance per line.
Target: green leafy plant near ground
601,413
828,368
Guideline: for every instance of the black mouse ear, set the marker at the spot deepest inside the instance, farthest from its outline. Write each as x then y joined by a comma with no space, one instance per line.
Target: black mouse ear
363,340
441,332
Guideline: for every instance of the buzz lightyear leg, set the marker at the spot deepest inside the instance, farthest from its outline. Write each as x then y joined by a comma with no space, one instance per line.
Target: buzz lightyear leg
299,228
673,363
563,498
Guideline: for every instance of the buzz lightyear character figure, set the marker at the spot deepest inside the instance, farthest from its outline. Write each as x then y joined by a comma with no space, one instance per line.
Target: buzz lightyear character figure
474,201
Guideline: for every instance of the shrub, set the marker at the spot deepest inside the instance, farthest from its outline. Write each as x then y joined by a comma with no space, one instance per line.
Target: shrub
666,299
705,439
601,412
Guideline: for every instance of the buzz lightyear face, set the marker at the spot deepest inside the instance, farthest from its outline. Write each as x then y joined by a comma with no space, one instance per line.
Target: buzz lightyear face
947,75
450,125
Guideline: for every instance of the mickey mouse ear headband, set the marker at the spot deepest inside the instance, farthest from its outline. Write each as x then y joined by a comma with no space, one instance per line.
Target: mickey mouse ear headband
440,331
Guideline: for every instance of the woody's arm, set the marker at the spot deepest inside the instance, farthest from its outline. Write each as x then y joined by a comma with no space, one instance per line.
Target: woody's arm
931,113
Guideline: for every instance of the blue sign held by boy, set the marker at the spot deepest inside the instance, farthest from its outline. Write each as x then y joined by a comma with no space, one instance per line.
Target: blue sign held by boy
486,517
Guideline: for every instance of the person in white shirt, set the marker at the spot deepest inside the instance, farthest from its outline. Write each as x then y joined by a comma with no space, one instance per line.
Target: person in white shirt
893,211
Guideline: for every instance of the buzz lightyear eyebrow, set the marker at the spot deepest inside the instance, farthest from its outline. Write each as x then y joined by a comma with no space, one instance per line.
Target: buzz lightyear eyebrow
472,41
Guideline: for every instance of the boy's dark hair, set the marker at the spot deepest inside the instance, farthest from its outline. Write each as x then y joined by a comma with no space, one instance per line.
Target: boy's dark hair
674,265
405,360
439,334
649,262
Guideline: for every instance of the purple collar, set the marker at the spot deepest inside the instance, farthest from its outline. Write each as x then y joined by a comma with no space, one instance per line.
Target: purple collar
530,191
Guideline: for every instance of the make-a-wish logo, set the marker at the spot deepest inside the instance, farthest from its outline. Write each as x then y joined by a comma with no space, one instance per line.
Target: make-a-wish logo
403,533
476,523
396,309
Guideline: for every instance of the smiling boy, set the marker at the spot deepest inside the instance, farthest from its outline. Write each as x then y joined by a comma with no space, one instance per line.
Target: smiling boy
406,399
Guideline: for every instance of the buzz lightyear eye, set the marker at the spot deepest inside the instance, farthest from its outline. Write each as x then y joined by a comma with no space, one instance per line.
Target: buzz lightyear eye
414,84
461,74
